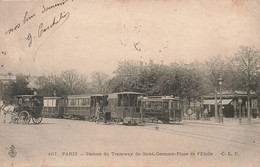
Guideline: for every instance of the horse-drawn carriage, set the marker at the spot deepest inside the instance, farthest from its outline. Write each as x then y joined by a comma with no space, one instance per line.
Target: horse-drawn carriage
25,108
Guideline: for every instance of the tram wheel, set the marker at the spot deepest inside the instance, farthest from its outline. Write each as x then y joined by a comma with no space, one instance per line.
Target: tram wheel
37,120
24,117
101,119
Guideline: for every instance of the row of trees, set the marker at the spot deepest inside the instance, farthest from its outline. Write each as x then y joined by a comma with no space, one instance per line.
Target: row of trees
189,81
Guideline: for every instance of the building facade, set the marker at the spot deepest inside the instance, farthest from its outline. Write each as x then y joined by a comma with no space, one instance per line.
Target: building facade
232,103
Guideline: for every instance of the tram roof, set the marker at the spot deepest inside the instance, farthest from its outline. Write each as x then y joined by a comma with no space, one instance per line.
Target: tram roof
98,95
28,96
160,98
84,95
130,93
53,97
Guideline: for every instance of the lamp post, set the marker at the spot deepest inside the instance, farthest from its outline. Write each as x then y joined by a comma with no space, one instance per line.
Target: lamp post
240,102
220,80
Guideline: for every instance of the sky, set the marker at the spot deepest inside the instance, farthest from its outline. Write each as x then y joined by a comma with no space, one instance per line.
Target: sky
94,35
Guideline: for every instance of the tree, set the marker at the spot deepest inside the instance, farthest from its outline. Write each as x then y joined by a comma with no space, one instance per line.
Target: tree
52,85
74,83
18,87
126,77
188,83
99,82
247,63
215,67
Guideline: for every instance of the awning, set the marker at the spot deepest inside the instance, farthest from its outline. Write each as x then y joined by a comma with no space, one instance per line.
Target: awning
212,102
209,102
226,101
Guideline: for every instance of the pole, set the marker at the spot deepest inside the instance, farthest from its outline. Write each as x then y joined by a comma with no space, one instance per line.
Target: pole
248,108
220,110
216,106
240,120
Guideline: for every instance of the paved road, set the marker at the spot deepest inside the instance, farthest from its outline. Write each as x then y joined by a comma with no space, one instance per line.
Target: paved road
62,142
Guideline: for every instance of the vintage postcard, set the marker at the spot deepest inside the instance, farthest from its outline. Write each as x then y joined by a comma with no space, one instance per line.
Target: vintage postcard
130,83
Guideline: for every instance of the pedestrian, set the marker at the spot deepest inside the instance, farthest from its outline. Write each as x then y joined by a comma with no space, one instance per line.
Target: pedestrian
205,113
97,112
190,112
197,114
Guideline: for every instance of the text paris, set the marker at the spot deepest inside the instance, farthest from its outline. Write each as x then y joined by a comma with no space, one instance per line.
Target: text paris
63,17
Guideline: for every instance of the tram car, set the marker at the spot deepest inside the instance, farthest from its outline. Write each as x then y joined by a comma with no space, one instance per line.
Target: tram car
84,106
125,107
162,108
54,107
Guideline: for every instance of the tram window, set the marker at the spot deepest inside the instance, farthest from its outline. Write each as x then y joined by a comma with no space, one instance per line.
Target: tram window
123,102
112,102
177,105
45,103
133,100
72,102
61,103
147,104
85,102
165,105
52,103
26,99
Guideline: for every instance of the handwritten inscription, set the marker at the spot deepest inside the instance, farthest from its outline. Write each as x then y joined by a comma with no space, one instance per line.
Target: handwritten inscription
42,28
63,17
47,8
29,38
27,18
13,29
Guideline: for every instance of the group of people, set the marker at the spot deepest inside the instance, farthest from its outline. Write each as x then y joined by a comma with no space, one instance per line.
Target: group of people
205,114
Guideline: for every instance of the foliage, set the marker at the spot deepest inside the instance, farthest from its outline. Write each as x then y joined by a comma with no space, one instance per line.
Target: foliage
246,63
13,88
188,81
99,82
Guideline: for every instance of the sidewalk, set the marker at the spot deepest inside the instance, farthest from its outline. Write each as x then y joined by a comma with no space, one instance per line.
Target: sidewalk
226,122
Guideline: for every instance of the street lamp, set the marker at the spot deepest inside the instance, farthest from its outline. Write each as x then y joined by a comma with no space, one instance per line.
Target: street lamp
240,102
220,80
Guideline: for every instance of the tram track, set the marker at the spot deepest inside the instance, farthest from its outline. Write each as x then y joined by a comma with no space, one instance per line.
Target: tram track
231,129
204,135
229,132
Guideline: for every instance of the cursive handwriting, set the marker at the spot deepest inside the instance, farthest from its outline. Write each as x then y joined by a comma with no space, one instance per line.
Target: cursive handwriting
13,29
45,9
29,38
63,16
27,18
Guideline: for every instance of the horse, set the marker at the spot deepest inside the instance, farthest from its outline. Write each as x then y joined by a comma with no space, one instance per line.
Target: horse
7,109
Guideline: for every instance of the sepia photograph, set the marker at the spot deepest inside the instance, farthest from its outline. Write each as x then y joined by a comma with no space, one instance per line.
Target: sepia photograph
129,83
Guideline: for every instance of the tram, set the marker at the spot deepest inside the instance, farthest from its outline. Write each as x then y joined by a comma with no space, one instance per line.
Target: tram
54,107
84,106
125,107
162,108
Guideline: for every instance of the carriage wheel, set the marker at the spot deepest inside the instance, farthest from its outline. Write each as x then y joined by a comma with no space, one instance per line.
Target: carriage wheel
15,119
37,120
24,117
